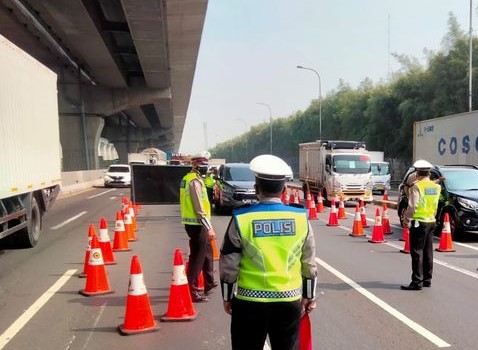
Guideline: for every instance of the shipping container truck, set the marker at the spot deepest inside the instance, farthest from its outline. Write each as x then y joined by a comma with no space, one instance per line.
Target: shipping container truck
148,156
30,161
447,140
339,169
380,172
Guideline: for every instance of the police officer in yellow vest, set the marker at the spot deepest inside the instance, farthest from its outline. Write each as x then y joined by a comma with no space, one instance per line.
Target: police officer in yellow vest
209,181
267,264
420,217
196,217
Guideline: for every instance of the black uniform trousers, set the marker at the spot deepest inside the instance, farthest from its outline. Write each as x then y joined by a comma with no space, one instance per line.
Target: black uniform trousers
421,250
200,258
253,321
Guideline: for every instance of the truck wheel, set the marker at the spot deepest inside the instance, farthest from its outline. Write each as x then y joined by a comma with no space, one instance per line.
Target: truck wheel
28,237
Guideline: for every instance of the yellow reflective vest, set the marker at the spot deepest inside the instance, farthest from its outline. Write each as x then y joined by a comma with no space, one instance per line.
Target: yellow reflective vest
188,215
428,202
273,235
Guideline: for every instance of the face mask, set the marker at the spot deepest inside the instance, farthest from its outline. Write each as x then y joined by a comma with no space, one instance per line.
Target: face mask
202,170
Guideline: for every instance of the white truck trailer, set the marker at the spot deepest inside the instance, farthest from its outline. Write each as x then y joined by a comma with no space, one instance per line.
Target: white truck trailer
447,140
380,172
30,161
337,168
148,156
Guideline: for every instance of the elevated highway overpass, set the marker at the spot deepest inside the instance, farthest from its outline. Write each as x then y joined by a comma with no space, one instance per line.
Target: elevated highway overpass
125,69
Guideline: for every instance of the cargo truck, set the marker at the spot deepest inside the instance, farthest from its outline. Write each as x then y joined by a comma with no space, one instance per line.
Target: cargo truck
148,156
380,172
447,140
339,169
30,160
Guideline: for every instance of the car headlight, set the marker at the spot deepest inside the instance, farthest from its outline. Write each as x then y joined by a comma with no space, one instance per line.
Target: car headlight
467,203
106,177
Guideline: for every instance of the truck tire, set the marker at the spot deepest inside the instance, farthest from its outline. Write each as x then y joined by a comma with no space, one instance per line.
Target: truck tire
29,236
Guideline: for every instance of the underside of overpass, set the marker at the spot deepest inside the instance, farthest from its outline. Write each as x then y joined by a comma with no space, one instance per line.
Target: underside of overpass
125,68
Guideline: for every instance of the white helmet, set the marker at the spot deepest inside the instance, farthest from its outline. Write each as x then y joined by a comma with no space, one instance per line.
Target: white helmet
422,165
270,167
201,157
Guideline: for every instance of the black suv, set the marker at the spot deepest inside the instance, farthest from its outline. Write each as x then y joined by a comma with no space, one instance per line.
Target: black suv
234,186
458,198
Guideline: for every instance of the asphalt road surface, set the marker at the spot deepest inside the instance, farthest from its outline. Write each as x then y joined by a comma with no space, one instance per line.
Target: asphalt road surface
360,304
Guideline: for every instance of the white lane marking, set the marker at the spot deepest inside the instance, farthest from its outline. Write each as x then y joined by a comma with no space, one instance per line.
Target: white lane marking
97,319
112,198
68,221
34,308
100,194
466,245
266,345
386,307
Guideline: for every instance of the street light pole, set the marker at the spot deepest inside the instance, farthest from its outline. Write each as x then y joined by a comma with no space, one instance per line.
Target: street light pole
320,98
247,130
270,121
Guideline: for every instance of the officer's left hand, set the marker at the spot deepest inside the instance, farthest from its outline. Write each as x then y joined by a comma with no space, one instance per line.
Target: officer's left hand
228,307
307,305
211,234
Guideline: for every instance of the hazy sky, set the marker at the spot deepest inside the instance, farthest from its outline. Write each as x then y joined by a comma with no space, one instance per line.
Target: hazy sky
250,50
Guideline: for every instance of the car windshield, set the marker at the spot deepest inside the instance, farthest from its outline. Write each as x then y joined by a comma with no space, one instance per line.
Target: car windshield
380,169
118,169
238,174
460,179
351,164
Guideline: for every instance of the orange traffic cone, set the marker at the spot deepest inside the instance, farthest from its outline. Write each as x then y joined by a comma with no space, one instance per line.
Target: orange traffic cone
406,238
124,203
139,315
96,279
308,199
342,214
320,203
133,219
128,227
385,195
215,251
312,210
291,197
363,215
91,233
377,233
296,197
286,199
305,333
180,306
333,219
200,278
446,243
386,221
357,229
105,243
120,242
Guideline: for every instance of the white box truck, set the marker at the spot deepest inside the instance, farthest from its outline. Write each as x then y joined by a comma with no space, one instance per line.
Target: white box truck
148,156
30,161
447,140
380,172
337,168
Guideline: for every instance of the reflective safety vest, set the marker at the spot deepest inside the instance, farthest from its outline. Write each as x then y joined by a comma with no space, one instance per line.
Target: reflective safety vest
209,180
272,236
188,216
427,205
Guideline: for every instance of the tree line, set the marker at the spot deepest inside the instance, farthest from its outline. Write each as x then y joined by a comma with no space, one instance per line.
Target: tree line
380,114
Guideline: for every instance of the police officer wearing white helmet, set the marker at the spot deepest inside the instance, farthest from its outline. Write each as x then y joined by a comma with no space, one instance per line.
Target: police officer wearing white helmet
423,199
267,264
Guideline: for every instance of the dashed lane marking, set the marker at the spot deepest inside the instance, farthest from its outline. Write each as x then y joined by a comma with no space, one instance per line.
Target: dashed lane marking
68,221
34,308
100,194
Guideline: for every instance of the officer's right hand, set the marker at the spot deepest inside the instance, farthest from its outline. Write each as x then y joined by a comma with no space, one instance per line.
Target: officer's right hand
211,234
307,305
228,307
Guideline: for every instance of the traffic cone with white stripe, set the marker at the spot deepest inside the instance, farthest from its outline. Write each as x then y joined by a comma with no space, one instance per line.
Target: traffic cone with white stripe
133,219
386,221
291,197
128,227
363,215
180,306
357,230
312,210
385,195
320,203
377,232
406,238
296,197
96,279
333,219
308,199
120,242
105,243
342,214
91,233
446,243
139,315
286,197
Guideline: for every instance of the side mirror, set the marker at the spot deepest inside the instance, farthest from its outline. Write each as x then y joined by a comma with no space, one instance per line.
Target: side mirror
327,168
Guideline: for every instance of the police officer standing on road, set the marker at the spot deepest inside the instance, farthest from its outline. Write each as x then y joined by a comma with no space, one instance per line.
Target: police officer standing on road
196,217
269,252
420,217
209,181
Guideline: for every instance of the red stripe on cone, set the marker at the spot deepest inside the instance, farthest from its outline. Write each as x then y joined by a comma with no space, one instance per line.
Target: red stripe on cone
138,315
96,279
377,232
180,306
105,243
446,243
